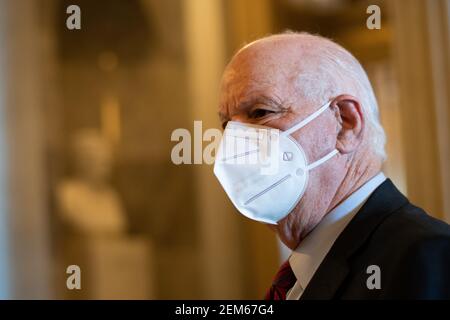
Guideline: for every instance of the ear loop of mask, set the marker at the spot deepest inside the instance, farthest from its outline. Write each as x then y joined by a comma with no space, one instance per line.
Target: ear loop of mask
322,160
303,123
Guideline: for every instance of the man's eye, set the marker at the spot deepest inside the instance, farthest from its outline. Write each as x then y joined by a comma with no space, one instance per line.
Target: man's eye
259,113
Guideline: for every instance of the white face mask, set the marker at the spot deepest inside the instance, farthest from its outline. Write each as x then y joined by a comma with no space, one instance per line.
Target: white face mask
263,170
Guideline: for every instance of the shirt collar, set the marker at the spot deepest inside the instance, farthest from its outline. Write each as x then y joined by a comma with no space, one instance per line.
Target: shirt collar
307,257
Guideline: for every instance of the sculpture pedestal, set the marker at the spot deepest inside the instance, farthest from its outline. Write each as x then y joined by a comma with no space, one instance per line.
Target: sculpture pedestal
113,268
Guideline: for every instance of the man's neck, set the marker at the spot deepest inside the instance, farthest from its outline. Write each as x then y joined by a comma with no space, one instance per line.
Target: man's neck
357,175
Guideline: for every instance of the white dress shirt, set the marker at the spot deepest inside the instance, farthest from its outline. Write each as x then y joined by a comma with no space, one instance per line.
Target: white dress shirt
312,250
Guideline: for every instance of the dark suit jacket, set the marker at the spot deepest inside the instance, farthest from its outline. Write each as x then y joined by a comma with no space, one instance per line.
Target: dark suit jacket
411,249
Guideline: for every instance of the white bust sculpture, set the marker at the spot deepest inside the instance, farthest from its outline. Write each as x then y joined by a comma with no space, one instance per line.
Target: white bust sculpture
87,202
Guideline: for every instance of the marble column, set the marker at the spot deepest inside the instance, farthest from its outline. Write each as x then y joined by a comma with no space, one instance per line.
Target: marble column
219,226
24,263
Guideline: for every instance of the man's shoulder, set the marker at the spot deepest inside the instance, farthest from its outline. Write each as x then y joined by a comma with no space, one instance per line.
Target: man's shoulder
412,224
410,233
410,249
412,252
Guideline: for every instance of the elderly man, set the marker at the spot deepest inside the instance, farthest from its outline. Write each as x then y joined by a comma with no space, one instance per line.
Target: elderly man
353,234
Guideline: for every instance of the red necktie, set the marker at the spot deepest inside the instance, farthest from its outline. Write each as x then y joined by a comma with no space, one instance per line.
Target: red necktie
283,281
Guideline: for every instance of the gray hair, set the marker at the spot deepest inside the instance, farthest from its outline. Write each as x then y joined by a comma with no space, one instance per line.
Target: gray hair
336,71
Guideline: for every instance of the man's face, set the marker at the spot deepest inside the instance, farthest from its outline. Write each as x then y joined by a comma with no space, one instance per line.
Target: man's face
260,86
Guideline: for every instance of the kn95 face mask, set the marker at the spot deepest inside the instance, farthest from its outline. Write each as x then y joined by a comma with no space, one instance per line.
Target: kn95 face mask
264,171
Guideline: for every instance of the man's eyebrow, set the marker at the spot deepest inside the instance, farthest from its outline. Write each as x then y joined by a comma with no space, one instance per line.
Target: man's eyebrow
275,102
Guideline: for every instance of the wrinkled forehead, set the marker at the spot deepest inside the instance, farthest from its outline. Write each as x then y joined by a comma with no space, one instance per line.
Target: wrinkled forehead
263,66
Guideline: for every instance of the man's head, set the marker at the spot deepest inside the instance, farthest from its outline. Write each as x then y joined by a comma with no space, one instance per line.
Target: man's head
278,81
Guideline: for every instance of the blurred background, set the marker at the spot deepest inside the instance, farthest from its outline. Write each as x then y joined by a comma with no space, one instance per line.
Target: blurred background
86,118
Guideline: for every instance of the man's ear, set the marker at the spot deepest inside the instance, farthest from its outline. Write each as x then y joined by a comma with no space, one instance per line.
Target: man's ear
349,114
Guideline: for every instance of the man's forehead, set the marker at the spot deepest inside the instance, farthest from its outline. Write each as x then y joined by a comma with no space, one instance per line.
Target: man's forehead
257,59
244,91
249,87
267,62
268,67
286,46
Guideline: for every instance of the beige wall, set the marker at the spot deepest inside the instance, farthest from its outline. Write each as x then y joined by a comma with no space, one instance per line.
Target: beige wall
421,51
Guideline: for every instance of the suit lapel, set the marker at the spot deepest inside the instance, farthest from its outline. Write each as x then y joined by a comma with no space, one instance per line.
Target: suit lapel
334,268
326,280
